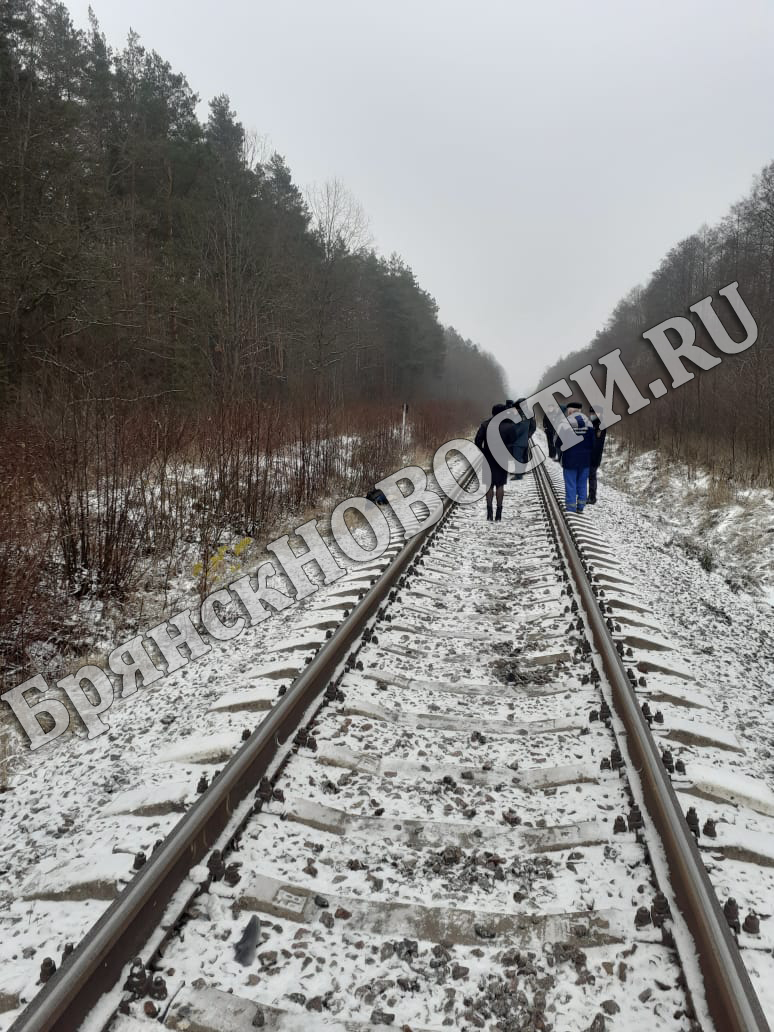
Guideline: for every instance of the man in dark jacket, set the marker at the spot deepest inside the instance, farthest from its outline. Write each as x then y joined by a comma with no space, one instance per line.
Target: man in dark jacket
531,421
499,475
550,432
521,437
576,456
598,446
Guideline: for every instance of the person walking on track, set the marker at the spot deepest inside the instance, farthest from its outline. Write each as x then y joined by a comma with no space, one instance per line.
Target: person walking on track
521,436
598,446
499,475
531,421
549,431
577,441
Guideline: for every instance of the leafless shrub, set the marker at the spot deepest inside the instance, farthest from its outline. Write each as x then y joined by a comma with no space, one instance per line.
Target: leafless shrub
100,498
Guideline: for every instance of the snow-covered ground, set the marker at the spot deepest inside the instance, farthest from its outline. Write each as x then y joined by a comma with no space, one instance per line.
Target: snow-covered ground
722,631
77,812
725,527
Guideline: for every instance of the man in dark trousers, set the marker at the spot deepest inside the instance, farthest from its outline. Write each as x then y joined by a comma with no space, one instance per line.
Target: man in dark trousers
499,475
597,447
548,430
576,456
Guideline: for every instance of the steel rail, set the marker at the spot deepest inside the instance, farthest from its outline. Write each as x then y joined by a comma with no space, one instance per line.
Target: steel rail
129,923
731,998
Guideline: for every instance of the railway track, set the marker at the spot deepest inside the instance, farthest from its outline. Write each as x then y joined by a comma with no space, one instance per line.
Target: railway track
456,817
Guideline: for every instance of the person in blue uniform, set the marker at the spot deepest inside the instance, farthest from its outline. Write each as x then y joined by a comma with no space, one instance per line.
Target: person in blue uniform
577,439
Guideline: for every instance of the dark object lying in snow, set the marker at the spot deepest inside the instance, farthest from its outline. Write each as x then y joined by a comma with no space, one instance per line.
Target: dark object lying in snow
244,950
376,496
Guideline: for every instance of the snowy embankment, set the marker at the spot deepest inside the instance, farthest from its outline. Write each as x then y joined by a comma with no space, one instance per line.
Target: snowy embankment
727,529
121,548
718,619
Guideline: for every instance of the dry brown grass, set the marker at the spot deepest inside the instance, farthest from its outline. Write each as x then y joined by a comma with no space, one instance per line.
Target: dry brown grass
721,492
97,501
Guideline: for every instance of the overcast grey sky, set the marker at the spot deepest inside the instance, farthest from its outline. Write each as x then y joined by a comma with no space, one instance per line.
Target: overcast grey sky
531,161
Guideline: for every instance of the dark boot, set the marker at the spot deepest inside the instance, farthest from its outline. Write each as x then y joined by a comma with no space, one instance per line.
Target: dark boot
499,514
489,511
